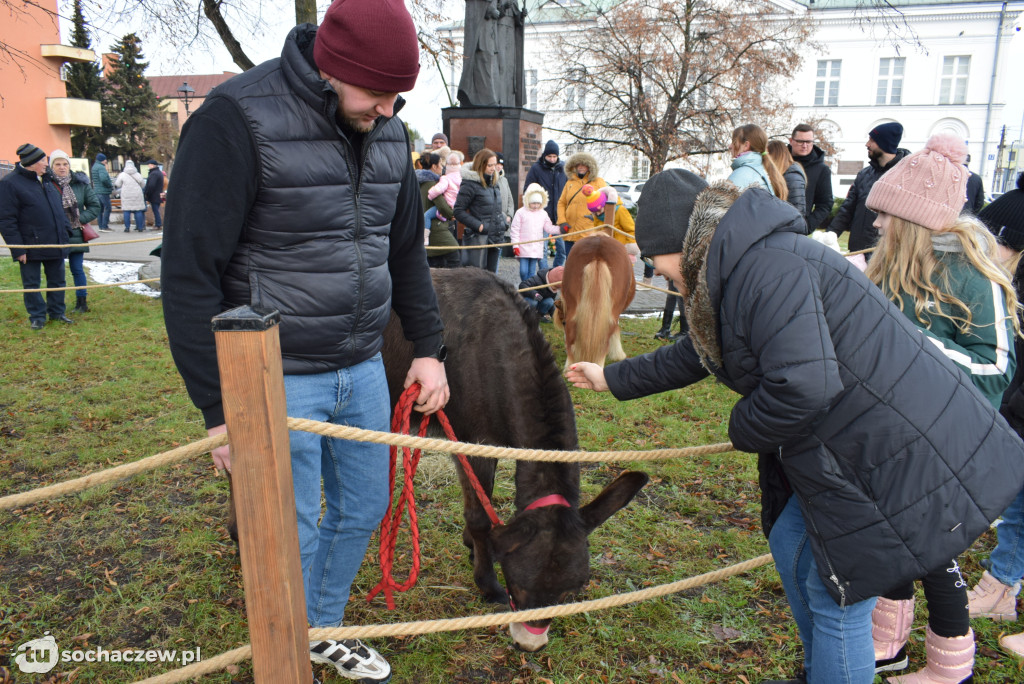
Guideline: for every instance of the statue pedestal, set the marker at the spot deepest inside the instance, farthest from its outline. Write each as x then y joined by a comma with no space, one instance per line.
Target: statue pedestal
515,132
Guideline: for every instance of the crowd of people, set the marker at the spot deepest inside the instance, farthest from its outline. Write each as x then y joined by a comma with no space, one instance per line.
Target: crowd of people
44,202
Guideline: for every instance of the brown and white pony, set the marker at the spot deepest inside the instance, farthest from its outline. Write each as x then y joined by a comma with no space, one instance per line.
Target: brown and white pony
597,286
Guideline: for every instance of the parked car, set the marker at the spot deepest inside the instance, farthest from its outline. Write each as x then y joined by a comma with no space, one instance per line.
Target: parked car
629,191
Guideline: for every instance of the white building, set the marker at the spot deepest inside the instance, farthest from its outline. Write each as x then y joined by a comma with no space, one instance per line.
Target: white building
931,65
953,80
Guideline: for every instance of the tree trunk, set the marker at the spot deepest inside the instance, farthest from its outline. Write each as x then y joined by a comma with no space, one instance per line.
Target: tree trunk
305,12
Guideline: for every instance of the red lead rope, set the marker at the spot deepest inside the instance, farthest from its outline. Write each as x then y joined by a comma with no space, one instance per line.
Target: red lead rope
392,521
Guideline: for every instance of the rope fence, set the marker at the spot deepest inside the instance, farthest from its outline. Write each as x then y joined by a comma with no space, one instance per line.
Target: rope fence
243,653
421,627
207,444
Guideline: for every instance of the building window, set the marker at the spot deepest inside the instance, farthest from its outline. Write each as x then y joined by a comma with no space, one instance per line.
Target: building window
953,89
575,92
531,89
65,71
890,80
826,87
641,166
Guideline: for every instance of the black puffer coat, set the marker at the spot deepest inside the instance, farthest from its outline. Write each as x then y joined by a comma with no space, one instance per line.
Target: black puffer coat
796,183
819,186
854,214
31,213
477,205
897,460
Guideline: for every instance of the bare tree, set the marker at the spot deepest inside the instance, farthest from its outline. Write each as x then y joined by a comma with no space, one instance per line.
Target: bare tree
671,79
198,24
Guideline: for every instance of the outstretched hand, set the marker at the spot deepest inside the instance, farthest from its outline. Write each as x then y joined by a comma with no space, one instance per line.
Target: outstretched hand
222,454
587,375
429,373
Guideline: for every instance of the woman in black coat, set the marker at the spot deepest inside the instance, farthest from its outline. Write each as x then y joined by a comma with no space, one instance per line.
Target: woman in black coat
478,208
879,459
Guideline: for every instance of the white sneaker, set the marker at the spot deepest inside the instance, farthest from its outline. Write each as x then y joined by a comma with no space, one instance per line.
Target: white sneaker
352,659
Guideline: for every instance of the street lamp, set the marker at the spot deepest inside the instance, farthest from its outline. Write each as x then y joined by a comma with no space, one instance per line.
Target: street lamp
186,93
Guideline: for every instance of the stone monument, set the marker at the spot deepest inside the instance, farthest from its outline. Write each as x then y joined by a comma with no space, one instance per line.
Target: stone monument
492,90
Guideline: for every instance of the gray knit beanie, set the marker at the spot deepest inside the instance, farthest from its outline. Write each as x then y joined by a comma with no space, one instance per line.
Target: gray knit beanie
663,215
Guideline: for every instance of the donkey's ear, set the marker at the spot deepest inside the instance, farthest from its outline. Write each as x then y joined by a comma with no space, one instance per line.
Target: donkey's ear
507,538
616,495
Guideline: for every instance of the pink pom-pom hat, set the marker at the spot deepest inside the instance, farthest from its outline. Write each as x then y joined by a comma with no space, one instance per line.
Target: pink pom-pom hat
928,188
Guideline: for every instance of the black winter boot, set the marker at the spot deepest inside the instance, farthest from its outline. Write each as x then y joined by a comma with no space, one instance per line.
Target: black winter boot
81,306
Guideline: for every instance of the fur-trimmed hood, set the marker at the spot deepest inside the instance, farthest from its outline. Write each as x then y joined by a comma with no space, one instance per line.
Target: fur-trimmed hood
539,195
710,255
582,158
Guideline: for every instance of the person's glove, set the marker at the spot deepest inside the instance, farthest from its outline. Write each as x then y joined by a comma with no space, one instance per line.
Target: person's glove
537,296
515,250
632,249
564,227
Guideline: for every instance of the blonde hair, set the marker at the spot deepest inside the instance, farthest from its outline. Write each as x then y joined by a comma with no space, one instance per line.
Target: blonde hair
904,262
755,135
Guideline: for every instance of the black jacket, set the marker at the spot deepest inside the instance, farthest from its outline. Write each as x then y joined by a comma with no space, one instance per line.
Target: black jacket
476,205
796,184
154,186
819,187
551,177
31,213
277,222
897,460
539,278
854,214
975,193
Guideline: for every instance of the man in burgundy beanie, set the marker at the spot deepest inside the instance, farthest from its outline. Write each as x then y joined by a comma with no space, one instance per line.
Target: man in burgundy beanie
294,191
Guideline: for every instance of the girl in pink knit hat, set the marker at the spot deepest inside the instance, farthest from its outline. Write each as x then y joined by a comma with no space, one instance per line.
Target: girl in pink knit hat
941,269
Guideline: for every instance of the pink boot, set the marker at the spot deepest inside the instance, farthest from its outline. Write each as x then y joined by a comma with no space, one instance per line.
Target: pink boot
992,599
890,628
1014,643
950,661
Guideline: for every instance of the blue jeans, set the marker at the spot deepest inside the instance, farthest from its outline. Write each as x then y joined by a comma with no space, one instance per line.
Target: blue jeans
75,260
560,253
1008,556
157,221
354,475
31,278
140,220
543,306
527,267
104,218
429,215
838,648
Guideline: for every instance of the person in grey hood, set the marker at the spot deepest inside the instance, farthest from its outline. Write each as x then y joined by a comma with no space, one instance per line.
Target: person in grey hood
321,219
878,458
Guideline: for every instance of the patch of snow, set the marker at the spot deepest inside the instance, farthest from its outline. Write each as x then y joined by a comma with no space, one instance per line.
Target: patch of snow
120,272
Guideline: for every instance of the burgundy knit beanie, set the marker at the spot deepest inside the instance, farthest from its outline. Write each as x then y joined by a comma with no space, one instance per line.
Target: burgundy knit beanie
928,188
369,43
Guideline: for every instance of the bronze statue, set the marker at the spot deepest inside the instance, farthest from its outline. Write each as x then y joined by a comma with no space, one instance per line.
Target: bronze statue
492,67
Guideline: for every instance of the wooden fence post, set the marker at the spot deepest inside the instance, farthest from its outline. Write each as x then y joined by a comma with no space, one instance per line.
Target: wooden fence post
252,385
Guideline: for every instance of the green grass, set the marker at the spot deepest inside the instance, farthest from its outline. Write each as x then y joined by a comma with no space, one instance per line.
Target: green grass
146,563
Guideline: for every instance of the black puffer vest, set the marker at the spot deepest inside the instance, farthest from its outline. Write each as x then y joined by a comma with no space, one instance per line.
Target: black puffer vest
315,245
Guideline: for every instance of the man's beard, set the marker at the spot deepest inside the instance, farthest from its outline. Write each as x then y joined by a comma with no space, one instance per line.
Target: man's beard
876,154
355,123
358,126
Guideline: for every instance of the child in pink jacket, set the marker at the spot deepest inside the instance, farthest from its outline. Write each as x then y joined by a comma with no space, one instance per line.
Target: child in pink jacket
448,185
530,224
